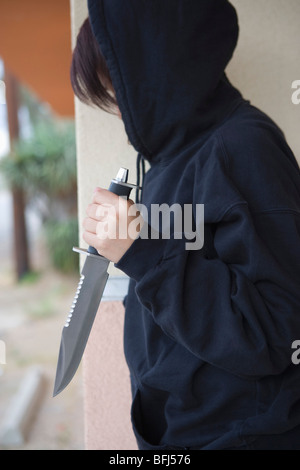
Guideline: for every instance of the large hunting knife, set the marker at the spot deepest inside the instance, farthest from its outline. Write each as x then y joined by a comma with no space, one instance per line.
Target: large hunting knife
90,289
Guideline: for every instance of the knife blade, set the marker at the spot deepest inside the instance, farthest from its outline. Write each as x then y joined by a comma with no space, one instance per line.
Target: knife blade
86,301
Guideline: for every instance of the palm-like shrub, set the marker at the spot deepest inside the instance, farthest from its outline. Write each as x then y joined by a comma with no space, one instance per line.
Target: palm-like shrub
44,167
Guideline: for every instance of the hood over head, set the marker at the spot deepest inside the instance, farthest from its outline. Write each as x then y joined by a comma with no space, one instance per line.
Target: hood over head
166,59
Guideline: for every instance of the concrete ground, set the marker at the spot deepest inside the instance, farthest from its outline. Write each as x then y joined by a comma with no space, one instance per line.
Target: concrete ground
32,315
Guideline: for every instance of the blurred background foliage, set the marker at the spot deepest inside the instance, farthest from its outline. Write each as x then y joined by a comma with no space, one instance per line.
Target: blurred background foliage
42,162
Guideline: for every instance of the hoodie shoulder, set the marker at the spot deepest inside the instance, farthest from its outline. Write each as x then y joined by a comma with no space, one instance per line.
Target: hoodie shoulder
259,160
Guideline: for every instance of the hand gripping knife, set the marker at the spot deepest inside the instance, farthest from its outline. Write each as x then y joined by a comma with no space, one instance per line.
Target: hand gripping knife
86,302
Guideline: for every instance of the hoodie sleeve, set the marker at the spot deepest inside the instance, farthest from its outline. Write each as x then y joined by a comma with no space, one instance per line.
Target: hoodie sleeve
239,311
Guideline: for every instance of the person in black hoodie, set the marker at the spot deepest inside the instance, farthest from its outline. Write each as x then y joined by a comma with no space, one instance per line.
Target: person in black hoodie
209,332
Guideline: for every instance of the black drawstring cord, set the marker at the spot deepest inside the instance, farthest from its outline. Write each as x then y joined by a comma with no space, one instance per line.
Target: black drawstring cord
140,164
138,177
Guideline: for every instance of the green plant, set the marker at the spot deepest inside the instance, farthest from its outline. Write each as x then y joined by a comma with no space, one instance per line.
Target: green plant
61,237
44,167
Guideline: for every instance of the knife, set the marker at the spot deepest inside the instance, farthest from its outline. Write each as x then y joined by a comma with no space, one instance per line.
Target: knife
88,295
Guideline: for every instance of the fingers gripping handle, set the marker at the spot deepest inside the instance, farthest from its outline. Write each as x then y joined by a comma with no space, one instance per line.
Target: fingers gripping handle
121,188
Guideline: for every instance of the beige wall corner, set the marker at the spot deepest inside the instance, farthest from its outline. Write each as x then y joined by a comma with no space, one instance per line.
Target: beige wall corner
106,384
267,60
102,149
264,66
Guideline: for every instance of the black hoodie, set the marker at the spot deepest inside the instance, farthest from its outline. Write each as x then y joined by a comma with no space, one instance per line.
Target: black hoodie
208,332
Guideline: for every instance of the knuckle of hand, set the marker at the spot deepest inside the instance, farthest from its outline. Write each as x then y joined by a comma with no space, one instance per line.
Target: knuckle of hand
94,200
100,211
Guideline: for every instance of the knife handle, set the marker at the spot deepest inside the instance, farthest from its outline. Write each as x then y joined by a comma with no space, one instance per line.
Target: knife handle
121,188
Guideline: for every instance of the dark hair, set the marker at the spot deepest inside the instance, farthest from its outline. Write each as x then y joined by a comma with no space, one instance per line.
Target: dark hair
89,74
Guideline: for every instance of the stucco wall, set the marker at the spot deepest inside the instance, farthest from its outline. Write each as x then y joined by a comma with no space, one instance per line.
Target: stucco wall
102,148
267,60
264,66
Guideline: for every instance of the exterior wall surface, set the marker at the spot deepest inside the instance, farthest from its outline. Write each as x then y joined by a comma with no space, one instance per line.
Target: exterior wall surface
264,66
36,48
102,148
267,60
